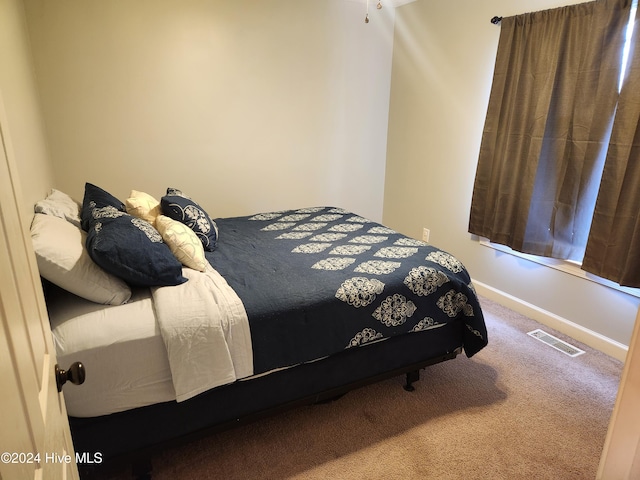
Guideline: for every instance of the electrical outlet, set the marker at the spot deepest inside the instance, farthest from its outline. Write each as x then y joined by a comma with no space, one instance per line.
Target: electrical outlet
425,234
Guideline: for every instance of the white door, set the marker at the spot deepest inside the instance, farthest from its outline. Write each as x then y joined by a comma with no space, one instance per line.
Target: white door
35,441
621,453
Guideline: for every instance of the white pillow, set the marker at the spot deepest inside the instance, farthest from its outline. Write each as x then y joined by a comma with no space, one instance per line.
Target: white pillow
63,259
183,242
143,205
60,205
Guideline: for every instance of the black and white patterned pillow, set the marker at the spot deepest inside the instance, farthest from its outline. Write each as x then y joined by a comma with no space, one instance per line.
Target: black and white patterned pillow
125,246
178,206
96,197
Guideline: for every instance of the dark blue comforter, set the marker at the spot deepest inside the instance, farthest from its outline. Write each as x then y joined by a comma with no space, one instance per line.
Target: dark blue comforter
316,281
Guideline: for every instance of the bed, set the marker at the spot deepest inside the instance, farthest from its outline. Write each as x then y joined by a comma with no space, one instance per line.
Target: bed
276,309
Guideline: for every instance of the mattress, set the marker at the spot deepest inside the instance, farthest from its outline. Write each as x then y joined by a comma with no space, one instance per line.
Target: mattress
119,345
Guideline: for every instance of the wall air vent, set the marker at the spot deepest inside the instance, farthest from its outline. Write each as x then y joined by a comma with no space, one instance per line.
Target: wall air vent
556,343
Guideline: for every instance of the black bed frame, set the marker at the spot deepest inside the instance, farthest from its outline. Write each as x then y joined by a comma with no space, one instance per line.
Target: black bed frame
135,436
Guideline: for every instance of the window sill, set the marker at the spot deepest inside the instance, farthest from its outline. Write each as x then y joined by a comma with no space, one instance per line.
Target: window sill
566,266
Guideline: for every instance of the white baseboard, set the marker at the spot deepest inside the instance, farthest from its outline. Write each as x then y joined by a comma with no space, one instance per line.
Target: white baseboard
588,337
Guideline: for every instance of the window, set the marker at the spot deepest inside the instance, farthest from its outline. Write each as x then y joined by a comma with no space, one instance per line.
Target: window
559,139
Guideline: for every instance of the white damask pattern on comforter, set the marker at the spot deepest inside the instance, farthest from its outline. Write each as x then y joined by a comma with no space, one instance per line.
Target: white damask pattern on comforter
206,331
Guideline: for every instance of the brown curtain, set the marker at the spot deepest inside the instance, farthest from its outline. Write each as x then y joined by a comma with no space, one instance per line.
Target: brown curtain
613,249
550,110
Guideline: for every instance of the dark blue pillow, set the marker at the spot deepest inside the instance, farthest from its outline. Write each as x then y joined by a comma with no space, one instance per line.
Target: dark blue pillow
178,206
126,246
96,197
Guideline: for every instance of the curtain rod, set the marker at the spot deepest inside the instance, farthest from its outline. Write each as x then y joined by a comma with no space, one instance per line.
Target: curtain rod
496,20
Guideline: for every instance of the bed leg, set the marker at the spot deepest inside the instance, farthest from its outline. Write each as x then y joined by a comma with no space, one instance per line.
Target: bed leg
413,376
141,468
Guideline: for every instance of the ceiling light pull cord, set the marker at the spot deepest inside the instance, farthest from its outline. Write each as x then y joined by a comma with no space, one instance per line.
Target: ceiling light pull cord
366,17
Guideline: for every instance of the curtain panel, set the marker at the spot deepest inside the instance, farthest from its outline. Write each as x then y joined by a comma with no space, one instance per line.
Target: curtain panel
613,248
552,102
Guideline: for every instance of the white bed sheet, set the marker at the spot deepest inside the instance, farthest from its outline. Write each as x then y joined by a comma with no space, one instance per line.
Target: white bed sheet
121,348
206,332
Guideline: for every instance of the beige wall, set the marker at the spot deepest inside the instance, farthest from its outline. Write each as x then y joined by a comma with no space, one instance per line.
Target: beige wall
443,60
246,105
21,104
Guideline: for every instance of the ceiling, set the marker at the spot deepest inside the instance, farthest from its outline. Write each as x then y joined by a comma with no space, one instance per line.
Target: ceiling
393,3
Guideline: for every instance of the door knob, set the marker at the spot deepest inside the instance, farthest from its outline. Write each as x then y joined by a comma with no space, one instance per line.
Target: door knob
75,374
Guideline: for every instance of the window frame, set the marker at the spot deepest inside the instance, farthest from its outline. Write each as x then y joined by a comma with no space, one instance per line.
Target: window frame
567,266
